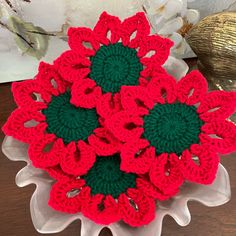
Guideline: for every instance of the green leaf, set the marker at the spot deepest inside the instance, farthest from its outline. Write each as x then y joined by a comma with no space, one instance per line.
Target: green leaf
31,40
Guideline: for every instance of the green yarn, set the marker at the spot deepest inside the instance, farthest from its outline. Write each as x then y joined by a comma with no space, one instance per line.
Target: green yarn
172,128
115,65
69,122
106,178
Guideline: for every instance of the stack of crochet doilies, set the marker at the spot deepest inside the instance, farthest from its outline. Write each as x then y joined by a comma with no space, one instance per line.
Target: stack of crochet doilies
114,129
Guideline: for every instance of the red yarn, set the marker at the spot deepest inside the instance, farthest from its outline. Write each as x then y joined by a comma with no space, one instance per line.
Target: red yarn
101,209
104,143
59,199
217,105
121,124
25,93
157,44
166,173
193,81
223,139
152,191
137,157
74,65
136,100
161,88
16,124
202,171
143,212
105,24
44,158
77,38
72,195
137,23
77,160
50,80
108,105
125,126
85,94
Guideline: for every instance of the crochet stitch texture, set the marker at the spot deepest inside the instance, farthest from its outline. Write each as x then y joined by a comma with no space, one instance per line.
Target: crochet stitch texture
113,129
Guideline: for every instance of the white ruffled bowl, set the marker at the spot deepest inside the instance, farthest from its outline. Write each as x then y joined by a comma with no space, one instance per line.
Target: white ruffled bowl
46,220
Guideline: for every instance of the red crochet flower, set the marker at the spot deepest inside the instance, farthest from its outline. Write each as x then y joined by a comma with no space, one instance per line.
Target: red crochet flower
113,54
105,194
57,132
174,131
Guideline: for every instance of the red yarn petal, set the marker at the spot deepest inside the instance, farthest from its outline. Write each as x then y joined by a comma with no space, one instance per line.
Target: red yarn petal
160,47
217,105
105,24
16,125
103,142
61,201
72,67
108,105
78,37
162,88
149,72
137,157
142,214
192,88
204,171
85,94
27,93
152,191
50,80
220,135
40,156
137,23
125,126
78,160
57,173
166,174
101,209
135,99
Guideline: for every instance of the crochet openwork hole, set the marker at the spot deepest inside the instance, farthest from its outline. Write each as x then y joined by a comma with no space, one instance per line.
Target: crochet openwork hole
67,121
172,128
115,65
106,178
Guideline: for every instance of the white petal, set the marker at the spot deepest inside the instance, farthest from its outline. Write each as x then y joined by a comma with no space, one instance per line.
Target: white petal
192,16
172,8
177,39
176,67
171,26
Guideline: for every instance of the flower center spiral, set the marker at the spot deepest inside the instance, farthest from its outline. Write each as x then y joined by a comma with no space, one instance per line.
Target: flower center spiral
172,128
69,122
106,178
115,65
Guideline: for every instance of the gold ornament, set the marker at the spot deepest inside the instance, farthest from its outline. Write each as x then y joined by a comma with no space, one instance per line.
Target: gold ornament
213,40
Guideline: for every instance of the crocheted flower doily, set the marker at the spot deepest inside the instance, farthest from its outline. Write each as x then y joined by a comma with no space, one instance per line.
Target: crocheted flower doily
113,129
113,54
173,131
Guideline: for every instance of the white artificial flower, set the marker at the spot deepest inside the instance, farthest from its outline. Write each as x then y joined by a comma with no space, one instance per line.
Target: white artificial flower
172,19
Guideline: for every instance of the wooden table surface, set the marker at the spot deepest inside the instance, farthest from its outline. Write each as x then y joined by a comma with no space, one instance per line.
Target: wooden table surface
15,217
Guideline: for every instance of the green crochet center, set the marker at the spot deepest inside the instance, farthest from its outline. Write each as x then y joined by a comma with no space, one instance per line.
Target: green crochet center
67,121
172,128
115,65
106,178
